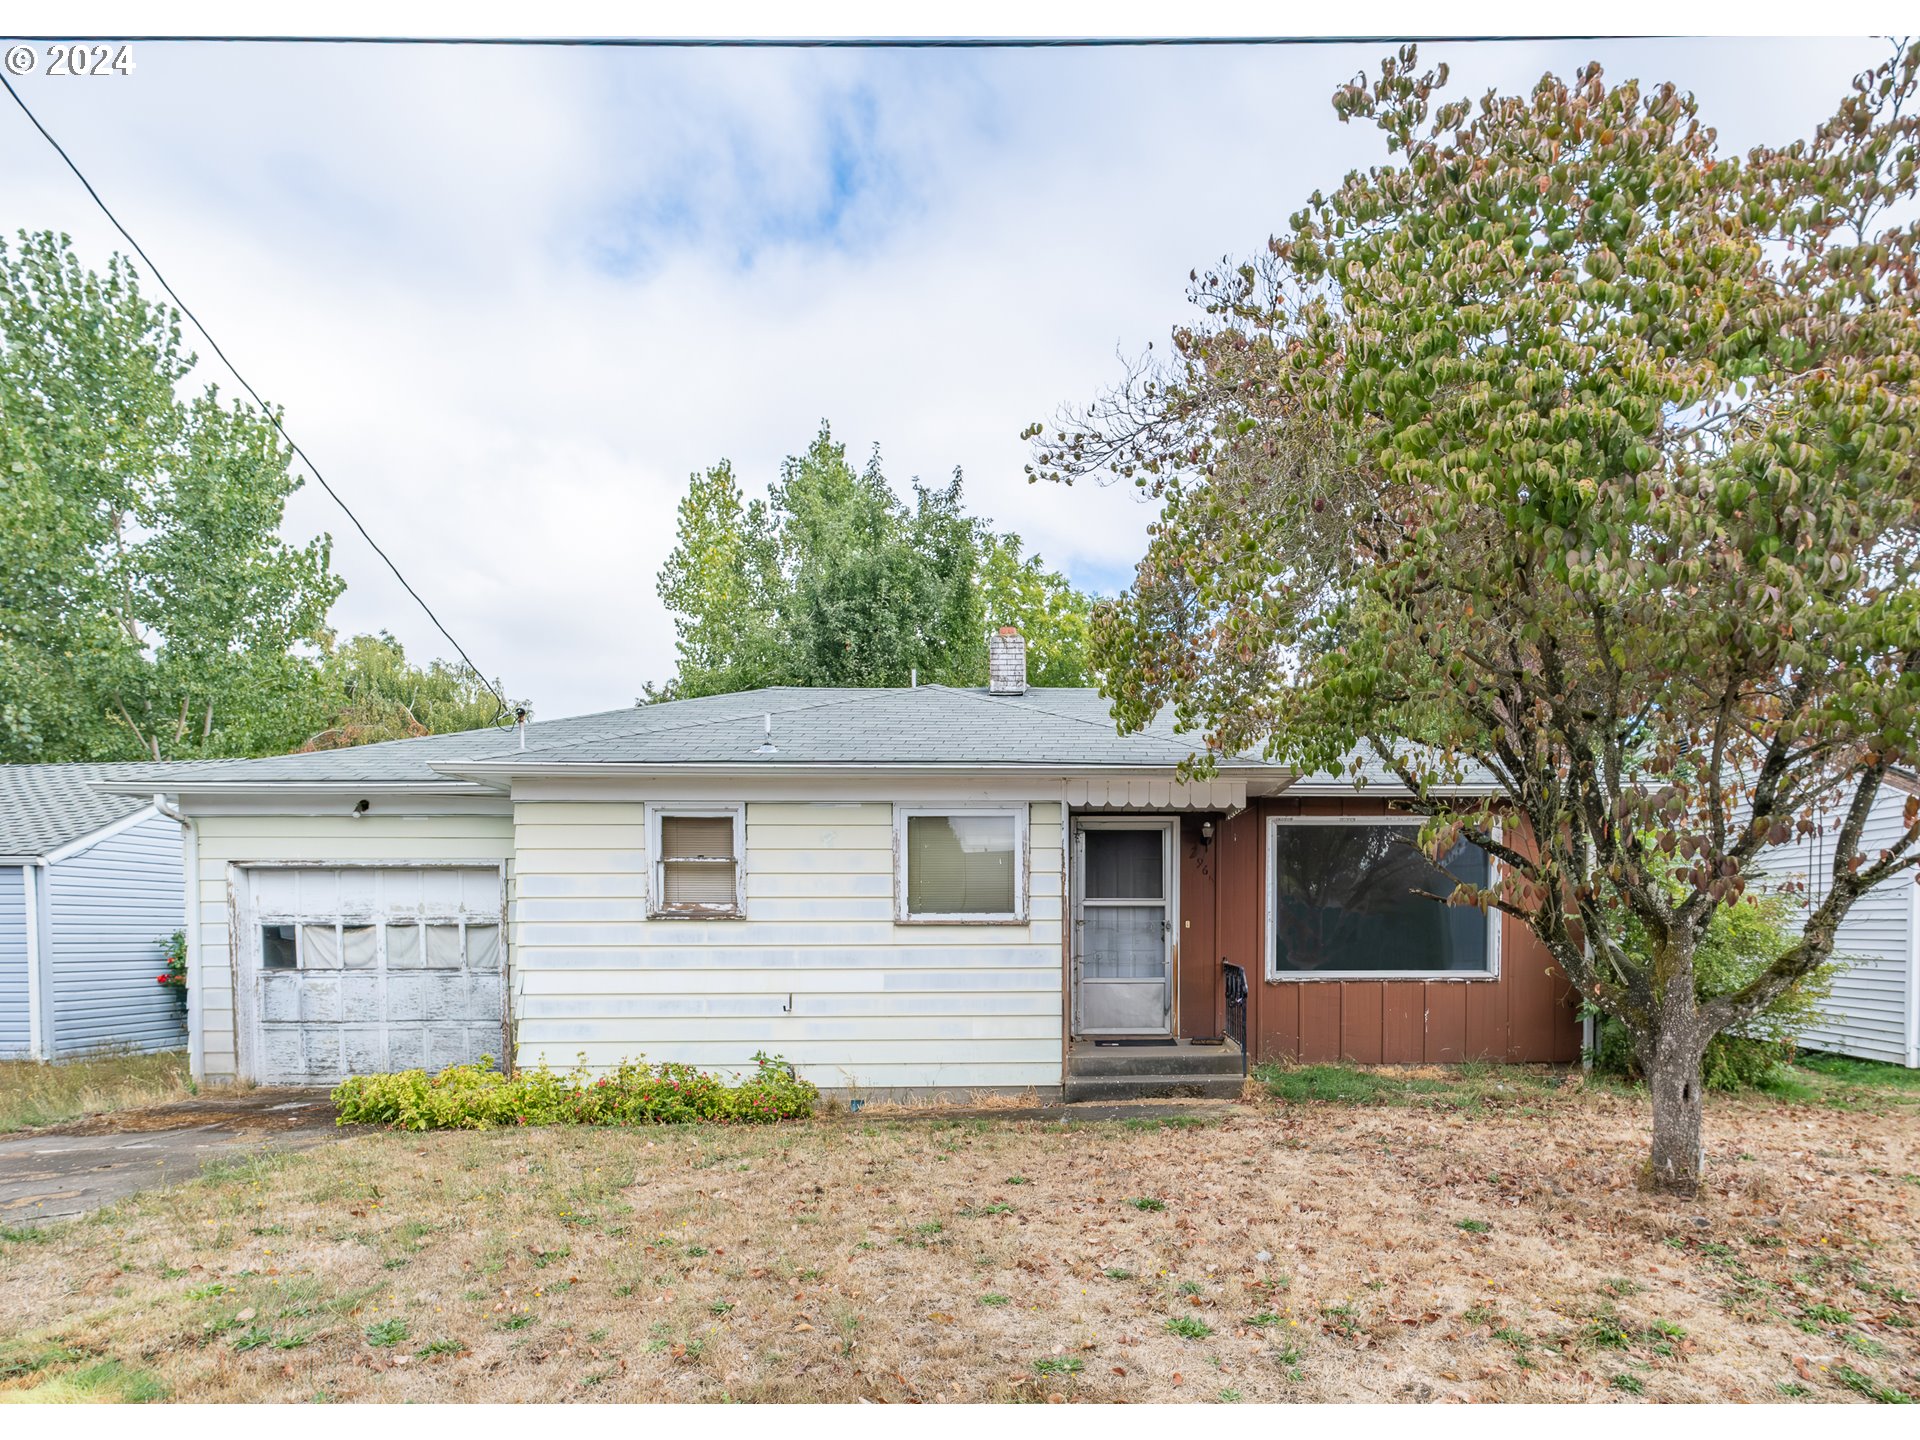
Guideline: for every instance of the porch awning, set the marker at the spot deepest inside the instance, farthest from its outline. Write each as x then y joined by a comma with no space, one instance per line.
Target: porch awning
1229,795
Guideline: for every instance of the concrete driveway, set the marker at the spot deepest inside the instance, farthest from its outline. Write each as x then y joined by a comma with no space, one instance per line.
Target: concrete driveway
68,1170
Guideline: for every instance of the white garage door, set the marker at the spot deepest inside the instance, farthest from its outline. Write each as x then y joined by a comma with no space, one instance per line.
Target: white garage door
357,970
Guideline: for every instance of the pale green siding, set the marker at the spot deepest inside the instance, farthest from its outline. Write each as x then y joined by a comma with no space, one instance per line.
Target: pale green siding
874,1005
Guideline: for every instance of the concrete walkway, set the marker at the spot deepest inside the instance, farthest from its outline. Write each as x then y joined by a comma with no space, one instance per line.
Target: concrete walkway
70,1170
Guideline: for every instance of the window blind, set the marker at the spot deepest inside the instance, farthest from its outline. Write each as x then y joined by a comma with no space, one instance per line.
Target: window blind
697,863
960,865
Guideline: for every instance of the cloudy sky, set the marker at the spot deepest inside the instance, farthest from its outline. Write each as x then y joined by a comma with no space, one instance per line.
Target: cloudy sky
511,298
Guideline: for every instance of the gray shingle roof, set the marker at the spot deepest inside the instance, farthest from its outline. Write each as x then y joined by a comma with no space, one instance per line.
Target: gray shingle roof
930,725
43,807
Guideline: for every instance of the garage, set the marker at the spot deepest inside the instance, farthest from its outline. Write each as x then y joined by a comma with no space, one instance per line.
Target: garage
353,970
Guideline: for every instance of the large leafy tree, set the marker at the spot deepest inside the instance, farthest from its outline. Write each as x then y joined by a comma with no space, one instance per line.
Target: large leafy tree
833,579
150,607
1017,589
373,692
1562,445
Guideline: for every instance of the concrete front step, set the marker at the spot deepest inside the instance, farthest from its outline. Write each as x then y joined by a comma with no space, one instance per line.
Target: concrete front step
1147,1060
1153,1087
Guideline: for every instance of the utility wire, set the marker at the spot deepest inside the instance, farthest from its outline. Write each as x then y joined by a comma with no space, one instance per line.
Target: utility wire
265,409
837,42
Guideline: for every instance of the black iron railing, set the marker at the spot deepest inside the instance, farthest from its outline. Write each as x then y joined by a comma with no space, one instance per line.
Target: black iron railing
1237,1008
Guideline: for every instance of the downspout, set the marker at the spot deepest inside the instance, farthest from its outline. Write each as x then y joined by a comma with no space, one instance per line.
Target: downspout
190,880
39,1040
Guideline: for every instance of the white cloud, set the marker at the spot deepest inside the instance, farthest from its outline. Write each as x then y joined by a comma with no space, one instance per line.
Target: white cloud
510,298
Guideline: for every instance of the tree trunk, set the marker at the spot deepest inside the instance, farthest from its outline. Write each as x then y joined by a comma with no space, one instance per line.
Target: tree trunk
1673,1075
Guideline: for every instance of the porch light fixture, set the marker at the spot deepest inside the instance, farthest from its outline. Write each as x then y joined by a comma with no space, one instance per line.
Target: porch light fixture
1206,832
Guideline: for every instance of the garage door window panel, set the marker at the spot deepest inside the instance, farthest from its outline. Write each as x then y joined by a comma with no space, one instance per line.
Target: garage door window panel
403,947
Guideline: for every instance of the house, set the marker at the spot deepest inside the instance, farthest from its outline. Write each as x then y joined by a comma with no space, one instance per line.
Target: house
894,889
1873,1011
90,891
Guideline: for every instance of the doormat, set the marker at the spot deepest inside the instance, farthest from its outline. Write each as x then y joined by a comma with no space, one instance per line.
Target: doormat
1207,1040
1128,1042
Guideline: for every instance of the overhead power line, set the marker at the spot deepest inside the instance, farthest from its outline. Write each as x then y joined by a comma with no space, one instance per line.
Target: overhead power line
834,42
265,409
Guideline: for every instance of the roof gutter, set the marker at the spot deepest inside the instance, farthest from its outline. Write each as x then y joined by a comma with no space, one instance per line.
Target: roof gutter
297,787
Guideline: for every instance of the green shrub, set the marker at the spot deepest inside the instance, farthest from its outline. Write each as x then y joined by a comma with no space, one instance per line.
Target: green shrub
1741,940
479,1097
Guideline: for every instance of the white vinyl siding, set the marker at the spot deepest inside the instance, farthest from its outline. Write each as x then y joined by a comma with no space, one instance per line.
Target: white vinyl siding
1871,1012
239,839
817,970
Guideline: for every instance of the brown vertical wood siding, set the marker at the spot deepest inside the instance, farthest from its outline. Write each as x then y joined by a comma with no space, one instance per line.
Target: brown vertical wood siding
1525,1015
1199,1000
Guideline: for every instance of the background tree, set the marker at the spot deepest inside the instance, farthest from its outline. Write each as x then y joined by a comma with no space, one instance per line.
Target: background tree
721,584
1017,589
1564,446
150,607
834,580
374,693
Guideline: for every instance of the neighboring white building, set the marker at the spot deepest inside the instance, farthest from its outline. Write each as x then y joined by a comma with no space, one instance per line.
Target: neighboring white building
90,891
1874,1010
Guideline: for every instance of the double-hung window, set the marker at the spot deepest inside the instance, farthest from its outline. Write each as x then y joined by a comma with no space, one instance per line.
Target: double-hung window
960,865
696,862
1352,899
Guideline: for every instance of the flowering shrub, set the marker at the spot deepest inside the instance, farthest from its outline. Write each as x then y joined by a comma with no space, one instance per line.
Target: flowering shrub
174,950
479,1097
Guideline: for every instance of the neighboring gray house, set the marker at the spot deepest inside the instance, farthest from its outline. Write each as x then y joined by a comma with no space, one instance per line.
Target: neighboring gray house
90,888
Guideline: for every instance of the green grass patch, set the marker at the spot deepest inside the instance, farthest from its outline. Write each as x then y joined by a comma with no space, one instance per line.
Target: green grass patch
1872,1389
386,1333
1464,1086
102,1382
1189,1327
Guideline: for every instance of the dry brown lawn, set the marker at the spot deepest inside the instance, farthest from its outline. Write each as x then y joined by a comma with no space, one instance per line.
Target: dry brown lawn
1275,1251
34,1094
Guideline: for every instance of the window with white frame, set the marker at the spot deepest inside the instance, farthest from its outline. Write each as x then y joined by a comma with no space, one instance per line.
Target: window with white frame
1352,898
961,865
696,862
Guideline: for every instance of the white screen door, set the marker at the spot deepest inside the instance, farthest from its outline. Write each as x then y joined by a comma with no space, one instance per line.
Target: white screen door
1123,927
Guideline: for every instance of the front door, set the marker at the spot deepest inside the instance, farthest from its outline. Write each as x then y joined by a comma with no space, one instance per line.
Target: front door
1123,927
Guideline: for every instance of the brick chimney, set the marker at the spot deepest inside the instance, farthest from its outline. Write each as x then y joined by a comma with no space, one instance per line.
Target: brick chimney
1006,662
